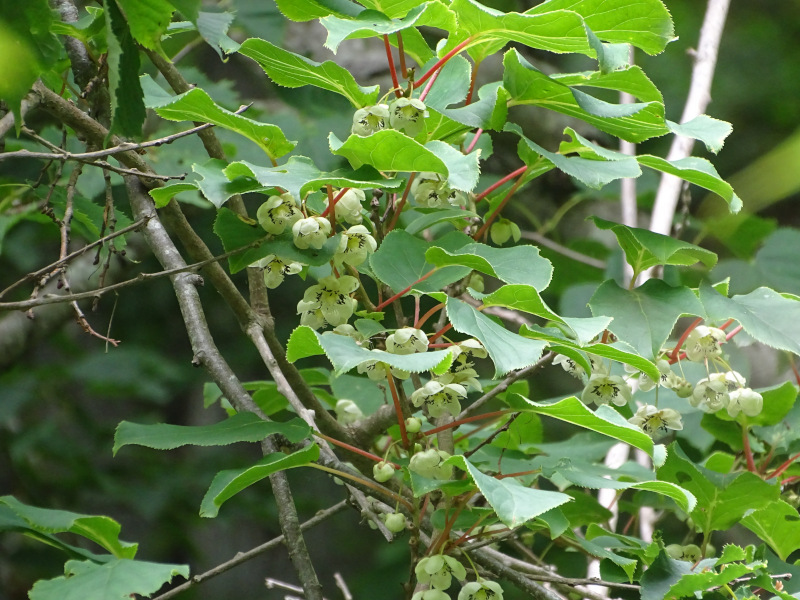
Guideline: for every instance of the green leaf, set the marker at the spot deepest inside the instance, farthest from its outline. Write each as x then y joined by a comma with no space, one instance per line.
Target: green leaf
765,315
345,354
308,10
778,401
391,8
604,420
644,249
147,19
103,531
529,86
371,23
594,173
292,70
662,574
299,176
162,195
118,579
400,261
513,503
610,57
241,427
196,105
391,150
515,265
778,524
436,216
488,112
215,185
127,106
722,500
507,350
712,132
644,316
227,484
213,27
644,23
708,578
697,171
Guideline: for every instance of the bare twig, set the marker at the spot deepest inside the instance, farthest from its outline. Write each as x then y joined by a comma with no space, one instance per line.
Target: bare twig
705,61
563,250
7,122
242,557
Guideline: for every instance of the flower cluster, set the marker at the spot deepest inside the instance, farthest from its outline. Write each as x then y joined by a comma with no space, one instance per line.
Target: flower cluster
404,114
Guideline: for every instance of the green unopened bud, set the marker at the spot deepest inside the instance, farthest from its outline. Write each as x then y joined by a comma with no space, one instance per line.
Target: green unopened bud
382,471
395,522
413,425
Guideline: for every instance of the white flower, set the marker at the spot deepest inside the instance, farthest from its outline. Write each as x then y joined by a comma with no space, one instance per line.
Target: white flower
370,119
655,422
348,207
408,114
733,380
439,571
431,594
429,463
331,297
277,213
646,384
348,412
407,340
439,399
569,365
745,400
481,590
710,395
354,246
603,389
704,343
312,232
275,269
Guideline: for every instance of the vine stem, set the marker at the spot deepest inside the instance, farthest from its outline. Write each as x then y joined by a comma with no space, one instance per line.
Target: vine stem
399,208
733,332
441,62
487,223
497,184
347,446
474,141
332,200
364,482
392,70
427,89
421,321
748,452
401,52
454,424
780,470
401,422
674,355
404,291
472,79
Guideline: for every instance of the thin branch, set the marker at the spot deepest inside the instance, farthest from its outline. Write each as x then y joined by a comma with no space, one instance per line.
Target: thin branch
563,250
705,61
28,103
242,557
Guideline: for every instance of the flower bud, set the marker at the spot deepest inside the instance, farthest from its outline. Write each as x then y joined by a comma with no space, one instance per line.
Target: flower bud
382,471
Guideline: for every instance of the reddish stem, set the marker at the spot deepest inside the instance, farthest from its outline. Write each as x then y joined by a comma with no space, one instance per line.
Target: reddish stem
442,345
791,480
604,339
795,371
399,208
782,469
474,141
496,185
403,292
347,446
440,333
748,453
472,79
421,321
726,324
674,355
442,61
416,310
395,83
332,200
427,89
454,424
402,54
733,332
487,223
520,474
397,408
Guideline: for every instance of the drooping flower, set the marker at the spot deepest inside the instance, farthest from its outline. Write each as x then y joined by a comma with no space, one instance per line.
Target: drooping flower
275,269
439,399
646,383
348,207
370,119
407,340
439,570
331,297
569,365
481,590
408,115
430,463
704,343
354,246
710,395
603,389
431,594
655,422
278,213
745,400
347,412
311,232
